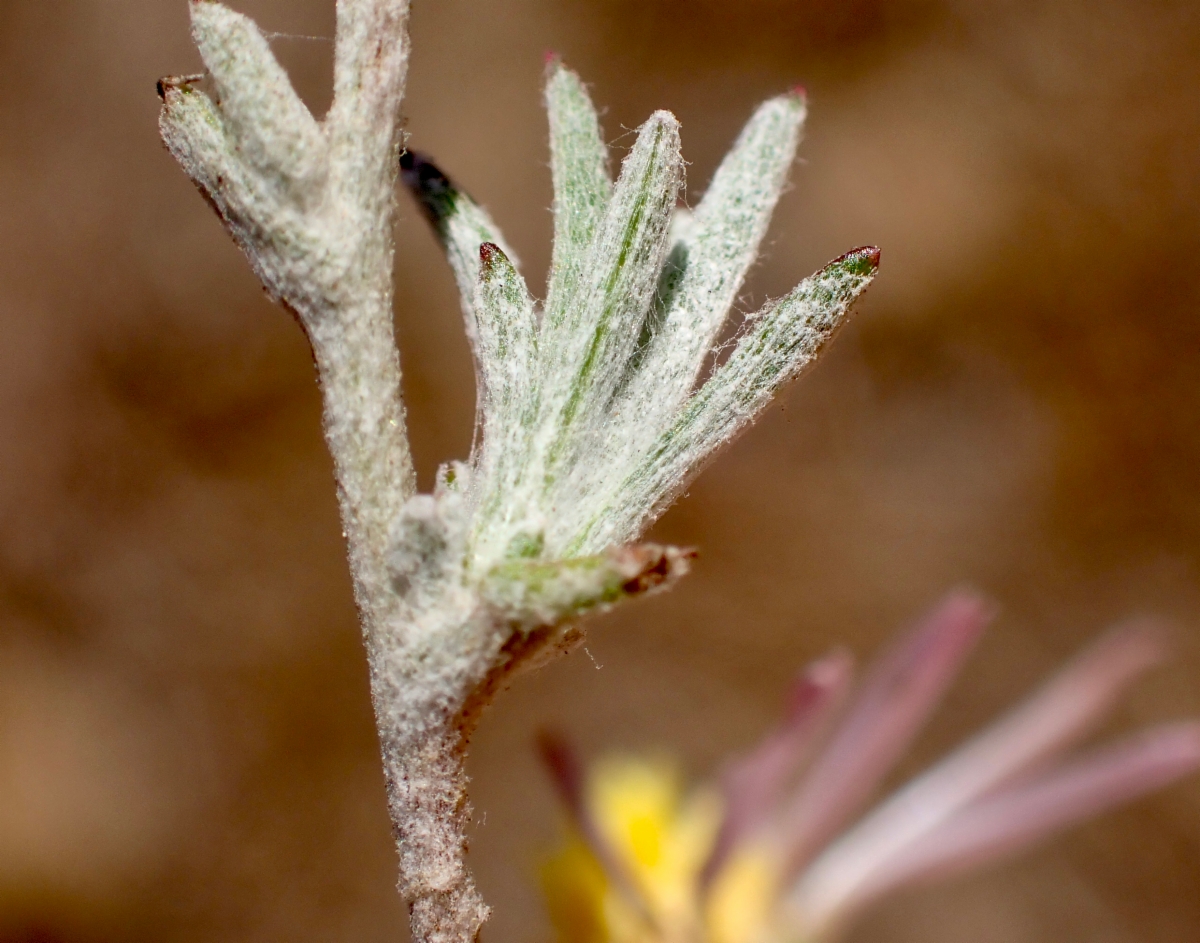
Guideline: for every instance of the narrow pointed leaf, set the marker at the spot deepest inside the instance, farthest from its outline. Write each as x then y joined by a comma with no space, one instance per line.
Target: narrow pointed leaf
196,134
721,242
507,337
461,224
586,349
273,129
506,352
582,185
778,344
534,593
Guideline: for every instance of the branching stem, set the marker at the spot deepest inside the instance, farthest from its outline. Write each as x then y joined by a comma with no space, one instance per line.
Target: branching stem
585,432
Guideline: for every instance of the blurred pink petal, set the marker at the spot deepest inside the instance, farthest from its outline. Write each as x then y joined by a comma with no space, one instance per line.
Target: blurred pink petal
1018,816
897,696
753,784
1057,716
1061,713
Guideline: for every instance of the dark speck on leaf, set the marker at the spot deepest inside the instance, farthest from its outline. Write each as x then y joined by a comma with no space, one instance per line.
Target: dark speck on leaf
431,187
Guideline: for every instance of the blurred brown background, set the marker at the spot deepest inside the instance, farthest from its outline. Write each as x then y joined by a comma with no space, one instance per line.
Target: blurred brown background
186,749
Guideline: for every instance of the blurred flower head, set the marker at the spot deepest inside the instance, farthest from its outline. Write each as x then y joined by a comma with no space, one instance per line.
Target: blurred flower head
772,851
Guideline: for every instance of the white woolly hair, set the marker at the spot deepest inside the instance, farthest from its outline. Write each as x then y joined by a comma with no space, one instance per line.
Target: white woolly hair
591,419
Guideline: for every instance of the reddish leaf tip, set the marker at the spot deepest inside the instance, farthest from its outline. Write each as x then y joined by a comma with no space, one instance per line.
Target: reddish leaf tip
169,84
648,566
867,256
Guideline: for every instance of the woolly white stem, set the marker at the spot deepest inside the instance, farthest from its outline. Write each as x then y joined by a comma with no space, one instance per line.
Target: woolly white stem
312,207
460,589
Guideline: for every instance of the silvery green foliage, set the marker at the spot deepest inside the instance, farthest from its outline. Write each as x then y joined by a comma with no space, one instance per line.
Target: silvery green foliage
311,204
594,408
590,420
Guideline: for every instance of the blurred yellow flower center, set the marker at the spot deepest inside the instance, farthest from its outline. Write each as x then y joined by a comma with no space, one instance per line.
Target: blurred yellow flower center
661,838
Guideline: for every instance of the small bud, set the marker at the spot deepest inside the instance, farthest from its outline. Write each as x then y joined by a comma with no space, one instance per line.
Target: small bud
531,593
